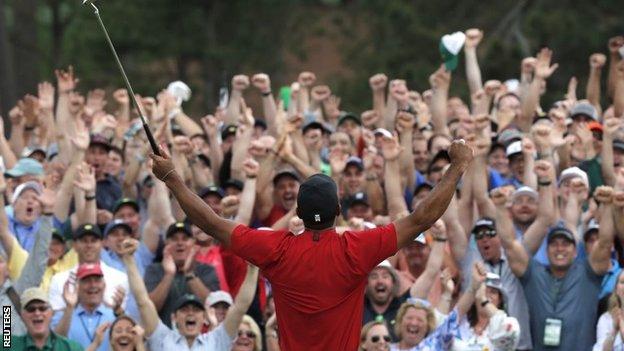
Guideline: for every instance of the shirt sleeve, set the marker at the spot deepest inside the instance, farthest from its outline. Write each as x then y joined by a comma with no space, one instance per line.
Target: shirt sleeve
56,292
36,263
156,340
208,275
17,260
369,247
260,247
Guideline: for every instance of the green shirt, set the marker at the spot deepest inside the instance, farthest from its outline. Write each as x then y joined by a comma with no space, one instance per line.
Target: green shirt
55,342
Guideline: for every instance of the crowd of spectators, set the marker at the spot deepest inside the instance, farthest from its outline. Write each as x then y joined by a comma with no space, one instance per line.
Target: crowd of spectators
97,254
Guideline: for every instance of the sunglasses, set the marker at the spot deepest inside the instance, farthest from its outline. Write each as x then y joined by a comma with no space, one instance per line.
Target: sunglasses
247,333
483,233
377,338
40,308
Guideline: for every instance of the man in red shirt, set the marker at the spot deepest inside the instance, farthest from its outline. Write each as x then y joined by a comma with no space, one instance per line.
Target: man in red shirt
319,276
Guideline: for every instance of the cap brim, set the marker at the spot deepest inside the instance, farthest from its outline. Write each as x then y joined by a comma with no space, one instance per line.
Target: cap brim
190,302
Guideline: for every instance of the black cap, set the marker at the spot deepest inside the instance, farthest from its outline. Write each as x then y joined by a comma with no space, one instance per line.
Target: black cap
260,123
227,131
87,229
179,227
211,190
315,125
355,161
287,172
188,299
57,235
561,231
125,201
317,202
98,139
233,183
358,198
484,223
618,144
117,223
344,116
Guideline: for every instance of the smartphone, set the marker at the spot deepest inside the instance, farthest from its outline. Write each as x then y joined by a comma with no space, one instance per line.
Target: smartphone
223,97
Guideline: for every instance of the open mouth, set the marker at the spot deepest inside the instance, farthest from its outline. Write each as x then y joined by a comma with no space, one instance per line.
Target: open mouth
190,323
124,341
37,322
30,211
380,289
413,331
243,341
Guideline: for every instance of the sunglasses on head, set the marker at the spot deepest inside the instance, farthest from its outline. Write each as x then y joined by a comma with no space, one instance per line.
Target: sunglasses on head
483,233
377,338
247,333
33,308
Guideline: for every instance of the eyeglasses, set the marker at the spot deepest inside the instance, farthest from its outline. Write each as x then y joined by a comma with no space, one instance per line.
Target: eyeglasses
377,338
40,308
483,233
247,333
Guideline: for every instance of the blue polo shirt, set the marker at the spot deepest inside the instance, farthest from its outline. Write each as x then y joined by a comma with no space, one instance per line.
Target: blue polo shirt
84,324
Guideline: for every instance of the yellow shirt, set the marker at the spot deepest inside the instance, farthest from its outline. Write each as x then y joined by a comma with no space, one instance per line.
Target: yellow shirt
18,260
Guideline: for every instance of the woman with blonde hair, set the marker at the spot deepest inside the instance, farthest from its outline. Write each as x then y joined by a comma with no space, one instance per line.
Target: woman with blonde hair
375,337
249,337
416,324
610,328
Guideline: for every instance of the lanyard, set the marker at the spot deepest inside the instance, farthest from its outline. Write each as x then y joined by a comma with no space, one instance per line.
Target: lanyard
91,337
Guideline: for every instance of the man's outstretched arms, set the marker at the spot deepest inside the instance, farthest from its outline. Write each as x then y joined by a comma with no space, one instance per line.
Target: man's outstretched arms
434,205
195,208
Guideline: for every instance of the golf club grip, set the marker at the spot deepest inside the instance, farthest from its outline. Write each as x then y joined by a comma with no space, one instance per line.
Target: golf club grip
150,138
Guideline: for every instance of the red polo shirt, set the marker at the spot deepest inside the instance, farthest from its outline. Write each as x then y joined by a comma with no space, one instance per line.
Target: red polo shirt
318,286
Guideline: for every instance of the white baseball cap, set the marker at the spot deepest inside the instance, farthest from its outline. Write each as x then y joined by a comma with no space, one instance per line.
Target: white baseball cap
573,172
219,296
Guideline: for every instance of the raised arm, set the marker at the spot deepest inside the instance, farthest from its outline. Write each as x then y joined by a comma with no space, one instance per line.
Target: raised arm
242,142
473,72
468,297
434,205
242,302
263,83
63,198
248,195
397,208
159,216
534,235
239,84
611,126
440,82
530,102
516,254
195,208
614,45
458,240
481,174
422,285
600,256
596,62
149,315
378,84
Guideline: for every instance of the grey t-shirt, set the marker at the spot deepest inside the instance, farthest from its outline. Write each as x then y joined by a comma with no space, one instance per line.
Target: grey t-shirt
572,299
154,274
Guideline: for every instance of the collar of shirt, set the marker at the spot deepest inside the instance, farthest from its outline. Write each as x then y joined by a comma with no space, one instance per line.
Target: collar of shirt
49,344
179,339
80,310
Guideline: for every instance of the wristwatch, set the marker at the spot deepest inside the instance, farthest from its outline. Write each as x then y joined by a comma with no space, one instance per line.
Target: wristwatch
190,276
484,302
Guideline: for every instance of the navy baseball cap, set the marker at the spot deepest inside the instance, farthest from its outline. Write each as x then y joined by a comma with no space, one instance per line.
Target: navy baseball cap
317,202
561,232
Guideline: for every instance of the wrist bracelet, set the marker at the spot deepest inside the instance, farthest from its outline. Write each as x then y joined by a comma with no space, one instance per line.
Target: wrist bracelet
544,183
189,277
267,93
252,177
484,303
50,214
89,198
442,240
167,174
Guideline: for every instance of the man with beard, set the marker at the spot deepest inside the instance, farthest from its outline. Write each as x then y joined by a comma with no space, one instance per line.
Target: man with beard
381,295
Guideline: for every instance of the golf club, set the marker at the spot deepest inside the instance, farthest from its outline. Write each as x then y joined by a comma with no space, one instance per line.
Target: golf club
148,132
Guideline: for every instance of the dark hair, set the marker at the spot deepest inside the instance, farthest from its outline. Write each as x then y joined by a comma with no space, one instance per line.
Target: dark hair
433,137
472,313
119,319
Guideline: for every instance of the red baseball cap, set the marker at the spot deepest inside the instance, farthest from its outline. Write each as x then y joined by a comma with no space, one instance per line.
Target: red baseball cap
594,126
89,269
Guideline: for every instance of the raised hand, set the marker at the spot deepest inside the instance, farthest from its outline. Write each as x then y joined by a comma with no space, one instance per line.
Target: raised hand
543,68
139,334
240,82
162,166
190,259
16,116
96,100
100,333
528,65
306,79
251,167
478,275
210,125
337,160
45,91
544,170
500,196
461,154
121,97
370,118
618,199
118,296
438,230
47,199
405,122
85,179
446,277
168,263
295,225
229,206
473,38
70,292
492,87
262,82
541,134
128,247
65,80
320,93
604,194
440,79
528,147
332,107
611,126
378,82
76,104
615,44
597,60
390,148
183,145
31,109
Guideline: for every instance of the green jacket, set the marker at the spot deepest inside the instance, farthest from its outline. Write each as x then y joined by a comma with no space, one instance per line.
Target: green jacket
55,342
